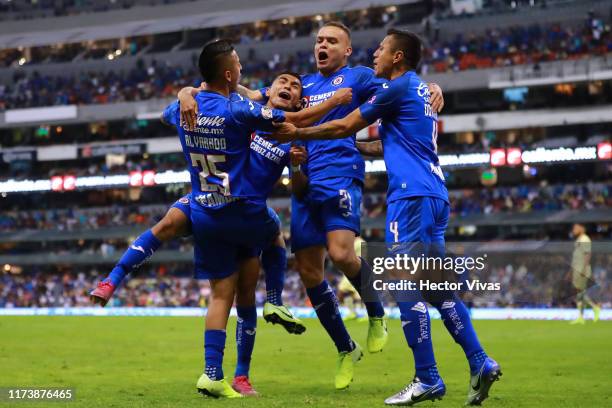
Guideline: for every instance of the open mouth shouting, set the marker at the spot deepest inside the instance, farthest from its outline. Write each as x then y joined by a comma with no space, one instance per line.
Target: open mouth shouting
322,56
284,95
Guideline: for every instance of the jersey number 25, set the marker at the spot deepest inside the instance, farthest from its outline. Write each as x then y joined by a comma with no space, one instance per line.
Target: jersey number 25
209,169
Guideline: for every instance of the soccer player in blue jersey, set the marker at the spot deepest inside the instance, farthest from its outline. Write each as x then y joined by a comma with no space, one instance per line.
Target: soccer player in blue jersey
418,206
328,216
229,218
267,163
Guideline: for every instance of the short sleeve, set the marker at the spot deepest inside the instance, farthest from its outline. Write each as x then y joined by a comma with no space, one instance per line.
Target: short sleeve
264,93
171,114
382,103
256,116
367,84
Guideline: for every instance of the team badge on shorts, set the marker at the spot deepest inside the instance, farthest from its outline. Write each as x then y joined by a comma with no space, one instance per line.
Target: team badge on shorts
372,99
183,200
338,80
266,112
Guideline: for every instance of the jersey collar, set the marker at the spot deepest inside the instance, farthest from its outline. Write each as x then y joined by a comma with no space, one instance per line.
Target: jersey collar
344,67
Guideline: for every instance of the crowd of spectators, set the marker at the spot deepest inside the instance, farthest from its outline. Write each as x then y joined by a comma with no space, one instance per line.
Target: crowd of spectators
519,199
251,33
154,285
525,281
77,219
518,45
528,198
30,9
493,48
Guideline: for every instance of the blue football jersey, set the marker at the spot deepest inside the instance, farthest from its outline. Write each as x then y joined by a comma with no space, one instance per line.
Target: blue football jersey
218,149
409,131
267,162
337,158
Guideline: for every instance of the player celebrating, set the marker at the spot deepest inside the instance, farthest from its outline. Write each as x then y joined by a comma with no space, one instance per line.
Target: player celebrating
267,163
581,273
328,217
229,219
418,206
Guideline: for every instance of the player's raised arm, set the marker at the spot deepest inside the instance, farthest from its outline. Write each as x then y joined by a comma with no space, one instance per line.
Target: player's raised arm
188,106
336,129
378,106
308,116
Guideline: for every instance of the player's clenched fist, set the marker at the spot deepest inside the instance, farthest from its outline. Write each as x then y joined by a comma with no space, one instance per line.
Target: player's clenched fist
285,132
298,155
343,96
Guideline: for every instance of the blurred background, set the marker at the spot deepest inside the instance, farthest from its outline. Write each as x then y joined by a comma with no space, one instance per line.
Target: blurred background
86,166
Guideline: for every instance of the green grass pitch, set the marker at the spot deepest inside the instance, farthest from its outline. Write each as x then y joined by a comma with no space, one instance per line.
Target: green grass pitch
155,362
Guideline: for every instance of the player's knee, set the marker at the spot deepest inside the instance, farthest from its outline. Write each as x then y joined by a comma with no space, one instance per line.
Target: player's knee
342,256
165,229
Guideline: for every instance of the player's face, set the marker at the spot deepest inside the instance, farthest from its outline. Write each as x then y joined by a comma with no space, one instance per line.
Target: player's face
384,57
234,71
332,49
286,92
576,230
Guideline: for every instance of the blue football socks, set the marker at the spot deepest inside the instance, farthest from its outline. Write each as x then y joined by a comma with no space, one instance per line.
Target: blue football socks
142,248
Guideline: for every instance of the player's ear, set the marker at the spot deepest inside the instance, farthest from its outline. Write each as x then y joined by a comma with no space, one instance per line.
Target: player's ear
348,51
398,56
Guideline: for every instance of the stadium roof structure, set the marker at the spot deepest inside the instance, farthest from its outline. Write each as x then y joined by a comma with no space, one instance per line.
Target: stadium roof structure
177,17
159,19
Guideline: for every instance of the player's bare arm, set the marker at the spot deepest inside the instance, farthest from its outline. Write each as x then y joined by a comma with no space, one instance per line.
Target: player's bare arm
299,181
374,149
336,129
308,116
188,105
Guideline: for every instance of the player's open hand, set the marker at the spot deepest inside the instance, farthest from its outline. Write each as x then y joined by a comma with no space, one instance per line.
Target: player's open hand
436,98
298,155
285,132
189,108
343,96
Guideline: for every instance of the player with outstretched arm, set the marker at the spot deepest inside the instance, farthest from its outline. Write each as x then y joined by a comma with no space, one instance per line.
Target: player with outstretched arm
327,217
417,206
230,220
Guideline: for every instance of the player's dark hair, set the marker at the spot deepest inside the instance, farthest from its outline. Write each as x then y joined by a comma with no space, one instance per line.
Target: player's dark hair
340,25
410,44
291,73
212,53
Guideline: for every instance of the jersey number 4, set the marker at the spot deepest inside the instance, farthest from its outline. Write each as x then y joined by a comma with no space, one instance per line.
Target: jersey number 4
209,169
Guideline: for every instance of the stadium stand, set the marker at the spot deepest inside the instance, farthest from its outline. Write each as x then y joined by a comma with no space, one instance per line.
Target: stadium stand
525,134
